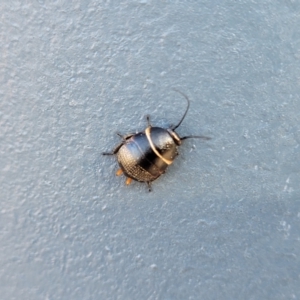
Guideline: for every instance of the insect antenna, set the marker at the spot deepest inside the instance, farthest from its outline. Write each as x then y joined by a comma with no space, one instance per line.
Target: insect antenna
188,101
195,137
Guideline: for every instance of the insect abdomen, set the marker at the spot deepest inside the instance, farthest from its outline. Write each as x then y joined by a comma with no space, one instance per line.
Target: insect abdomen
138,161
130,158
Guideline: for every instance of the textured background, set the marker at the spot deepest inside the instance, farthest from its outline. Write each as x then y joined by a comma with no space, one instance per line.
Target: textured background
223,223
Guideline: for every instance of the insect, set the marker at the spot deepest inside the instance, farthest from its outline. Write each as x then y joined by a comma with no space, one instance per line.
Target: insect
145,155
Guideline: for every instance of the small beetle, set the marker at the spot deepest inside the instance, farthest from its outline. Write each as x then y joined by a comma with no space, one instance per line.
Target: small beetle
145,156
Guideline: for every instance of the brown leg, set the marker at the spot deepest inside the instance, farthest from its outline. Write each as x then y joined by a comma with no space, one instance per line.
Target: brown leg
119,172
128,180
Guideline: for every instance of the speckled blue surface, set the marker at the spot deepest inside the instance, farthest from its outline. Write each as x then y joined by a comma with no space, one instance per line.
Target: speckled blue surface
222,223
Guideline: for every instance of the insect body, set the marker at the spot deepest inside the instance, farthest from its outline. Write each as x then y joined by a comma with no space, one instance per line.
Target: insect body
144,156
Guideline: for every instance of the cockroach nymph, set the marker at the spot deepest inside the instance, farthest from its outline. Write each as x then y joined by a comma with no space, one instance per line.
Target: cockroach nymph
145,155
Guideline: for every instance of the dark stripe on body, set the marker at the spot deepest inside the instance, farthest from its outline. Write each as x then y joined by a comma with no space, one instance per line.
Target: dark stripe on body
148,158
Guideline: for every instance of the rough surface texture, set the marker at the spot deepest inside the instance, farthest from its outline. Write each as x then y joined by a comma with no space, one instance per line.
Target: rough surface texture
223,223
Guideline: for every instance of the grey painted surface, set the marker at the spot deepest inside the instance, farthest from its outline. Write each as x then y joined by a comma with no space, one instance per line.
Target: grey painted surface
223,223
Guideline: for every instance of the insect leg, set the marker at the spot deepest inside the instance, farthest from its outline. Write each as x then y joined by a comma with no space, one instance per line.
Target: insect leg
128,181
149,186
119,172
114,151
148,120
125,137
